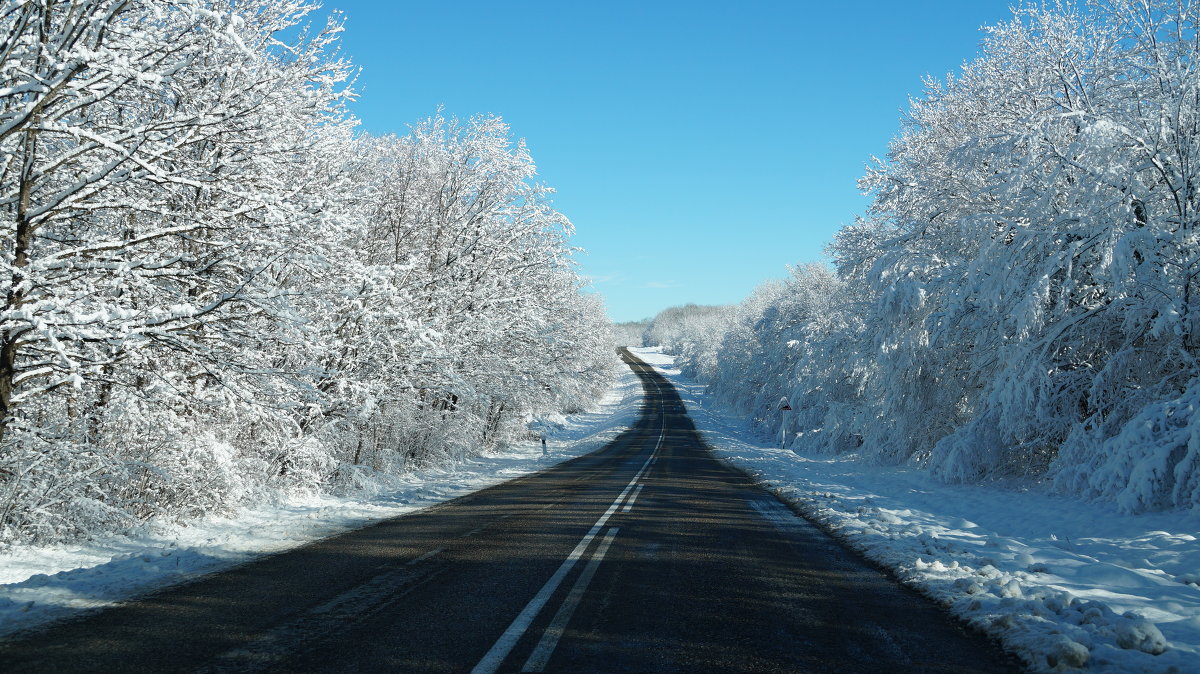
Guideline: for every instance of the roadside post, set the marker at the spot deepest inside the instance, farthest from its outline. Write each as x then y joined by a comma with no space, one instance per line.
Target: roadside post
784,408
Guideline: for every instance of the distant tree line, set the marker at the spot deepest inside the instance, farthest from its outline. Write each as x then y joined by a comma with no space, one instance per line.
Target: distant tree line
631,333
1022,299
217,292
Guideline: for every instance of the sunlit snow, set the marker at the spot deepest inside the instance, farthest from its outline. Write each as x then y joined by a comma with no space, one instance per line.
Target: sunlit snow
1057,580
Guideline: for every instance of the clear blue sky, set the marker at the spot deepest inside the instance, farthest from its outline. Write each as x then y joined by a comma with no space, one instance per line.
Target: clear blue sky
699,147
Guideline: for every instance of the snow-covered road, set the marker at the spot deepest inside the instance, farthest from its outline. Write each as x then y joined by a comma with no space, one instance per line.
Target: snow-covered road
1062,583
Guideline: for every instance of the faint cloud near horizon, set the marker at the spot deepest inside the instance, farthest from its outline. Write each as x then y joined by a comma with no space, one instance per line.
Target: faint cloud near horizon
600,278
659,285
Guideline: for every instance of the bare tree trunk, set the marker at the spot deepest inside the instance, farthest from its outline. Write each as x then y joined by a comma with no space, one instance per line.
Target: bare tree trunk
17,293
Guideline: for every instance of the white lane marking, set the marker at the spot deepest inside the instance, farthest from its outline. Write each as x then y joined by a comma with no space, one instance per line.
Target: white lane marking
491,661
632,498
545,648
495,656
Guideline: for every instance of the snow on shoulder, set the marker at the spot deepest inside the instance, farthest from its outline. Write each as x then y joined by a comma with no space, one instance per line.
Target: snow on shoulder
1063,584
43,584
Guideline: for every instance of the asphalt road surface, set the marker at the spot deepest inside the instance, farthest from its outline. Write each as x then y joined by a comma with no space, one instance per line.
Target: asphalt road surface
649,555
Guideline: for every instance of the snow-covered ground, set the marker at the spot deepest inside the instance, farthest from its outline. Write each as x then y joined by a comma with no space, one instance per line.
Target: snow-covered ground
1062,583
46,583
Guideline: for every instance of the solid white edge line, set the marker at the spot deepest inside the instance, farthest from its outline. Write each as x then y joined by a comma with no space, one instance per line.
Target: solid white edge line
632,498
545,648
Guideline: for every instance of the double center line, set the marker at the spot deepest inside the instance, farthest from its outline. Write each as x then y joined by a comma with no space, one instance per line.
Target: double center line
492,660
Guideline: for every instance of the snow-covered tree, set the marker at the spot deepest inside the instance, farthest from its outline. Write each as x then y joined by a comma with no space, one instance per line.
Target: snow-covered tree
1037,285
150,154
1020,301
466,312
217,292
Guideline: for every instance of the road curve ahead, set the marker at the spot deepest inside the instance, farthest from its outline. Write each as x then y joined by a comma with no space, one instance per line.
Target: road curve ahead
648,555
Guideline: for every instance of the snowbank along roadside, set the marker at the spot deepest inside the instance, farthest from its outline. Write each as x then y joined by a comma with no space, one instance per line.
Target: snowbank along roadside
1063,584
41,584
